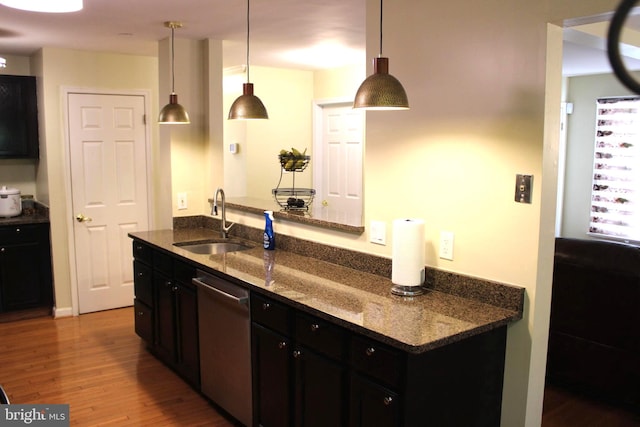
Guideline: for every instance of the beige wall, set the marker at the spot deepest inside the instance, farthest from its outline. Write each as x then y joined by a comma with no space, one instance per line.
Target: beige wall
57,69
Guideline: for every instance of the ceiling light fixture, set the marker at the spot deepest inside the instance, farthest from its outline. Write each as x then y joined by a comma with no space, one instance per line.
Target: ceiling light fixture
247,105
48,6
381,91
173,113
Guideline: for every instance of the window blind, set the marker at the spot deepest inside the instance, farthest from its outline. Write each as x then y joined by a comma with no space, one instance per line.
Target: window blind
615,191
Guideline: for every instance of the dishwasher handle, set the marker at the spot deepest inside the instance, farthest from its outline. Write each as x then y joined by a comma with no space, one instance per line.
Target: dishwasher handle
240,300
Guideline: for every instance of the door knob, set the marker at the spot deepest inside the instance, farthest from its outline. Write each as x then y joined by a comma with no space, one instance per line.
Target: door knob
82,218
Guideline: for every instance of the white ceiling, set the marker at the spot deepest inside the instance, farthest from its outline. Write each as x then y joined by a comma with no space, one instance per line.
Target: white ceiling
584,48
282,31
135,26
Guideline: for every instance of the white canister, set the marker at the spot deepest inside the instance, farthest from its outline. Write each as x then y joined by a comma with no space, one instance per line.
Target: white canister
10,202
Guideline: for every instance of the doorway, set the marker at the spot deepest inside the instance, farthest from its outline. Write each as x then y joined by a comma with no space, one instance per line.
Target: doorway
107,147
339,149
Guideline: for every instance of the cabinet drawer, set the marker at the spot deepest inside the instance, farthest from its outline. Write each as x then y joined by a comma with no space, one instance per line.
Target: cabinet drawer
143,320
270,313
142,282
21,233
142,251
376,360
320,336
163,262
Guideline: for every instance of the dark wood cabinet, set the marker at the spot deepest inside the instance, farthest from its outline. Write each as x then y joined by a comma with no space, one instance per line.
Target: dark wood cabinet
25,267
372,405
310,370
166,309
272,378
320,393
299,376
18,117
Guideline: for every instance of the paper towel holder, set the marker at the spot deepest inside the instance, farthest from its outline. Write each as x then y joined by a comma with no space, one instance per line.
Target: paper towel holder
407,291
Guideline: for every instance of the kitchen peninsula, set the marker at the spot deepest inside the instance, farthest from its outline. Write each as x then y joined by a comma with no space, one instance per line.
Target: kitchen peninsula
324,329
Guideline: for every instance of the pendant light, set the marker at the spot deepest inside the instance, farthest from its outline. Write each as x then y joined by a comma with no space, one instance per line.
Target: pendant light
173,113
48,6
247,105
381,91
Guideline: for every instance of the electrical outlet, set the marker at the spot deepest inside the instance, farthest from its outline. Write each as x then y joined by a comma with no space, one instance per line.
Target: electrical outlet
378,233
446,245
182,201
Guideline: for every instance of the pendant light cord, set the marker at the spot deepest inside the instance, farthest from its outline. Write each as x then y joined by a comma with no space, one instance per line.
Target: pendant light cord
248,80
173,73
613,46
380,55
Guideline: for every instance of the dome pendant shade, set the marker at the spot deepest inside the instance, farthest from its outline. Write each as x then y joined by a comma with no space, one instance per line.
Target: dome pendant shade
173,113
381,91
247,105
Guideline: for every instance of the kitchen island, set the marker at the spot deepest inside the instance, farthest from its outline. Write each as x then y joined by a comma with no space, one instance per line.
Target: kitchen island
385,360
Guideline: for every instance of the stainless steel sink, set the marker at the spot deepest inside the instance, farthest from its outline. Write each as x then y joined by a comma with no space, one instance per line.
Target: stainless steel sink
212,247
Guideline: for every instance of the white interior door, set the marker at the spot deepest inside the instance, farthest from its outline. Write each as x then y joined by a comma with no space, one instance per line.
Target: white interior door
109,194
342,136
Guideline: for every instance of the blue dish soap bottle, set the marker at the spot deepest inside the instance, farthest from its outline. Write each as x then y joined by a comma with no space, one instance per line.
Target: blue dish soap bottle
269,237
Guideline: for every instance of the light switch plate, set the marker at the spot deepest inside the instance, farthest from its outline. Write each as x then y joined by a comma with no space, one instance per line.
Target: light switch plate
378,232
524,184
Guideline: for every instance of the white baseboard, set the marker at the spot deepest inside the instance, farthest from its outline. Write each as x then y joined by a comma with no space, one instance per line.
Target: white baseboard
59,312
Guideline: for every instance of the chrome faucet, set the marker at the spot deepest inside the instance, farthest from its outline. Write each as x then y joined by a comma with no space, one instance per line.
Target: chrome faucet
224,228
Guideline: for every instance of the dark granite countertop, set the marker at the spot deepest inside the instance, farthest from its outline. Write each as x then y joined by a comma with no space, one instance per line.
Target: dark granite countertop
29,216
355,299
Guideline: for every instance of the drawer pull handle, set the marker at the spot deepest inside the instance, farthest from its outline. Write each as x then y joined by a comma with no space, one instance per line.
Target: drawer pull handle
315,327
141,313
387,400
297,354
266,306
140,274
370,350
282,344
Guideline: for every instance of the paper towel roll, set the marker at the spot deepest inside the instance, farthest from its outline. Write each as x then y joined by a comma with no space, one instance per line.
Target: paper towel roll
407,268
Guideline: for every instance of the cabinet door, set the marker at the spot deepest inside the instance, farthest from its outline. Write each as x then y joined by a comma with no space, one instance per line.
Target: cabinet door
25,267
18,117
320,390
20,279
187,339
271,378
372,405
164,309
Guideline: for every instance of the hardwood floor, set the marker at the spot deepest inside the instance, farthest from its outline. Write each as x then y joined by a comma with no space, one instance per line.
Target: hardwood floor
97,365
565,409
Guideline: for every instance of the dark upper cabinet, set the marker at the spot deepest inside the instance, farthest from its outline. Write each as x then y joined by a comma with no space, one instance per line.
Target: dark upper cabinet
18,117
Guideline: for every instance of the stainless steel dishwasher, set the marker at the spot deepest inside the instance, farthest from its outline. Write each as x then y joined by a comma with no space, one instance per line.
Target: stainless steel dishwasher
224,326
